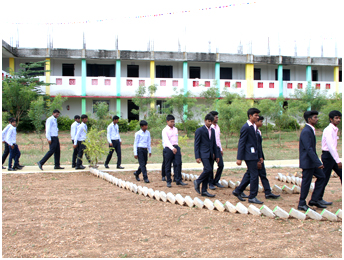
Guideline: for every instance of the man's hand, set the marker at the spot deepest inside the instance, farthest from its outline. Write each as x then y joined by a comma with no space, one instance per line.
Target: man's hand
150,154
238,162
49,141
75,146
340,165
174,150
110,144
321,167
3,141
198,160
135,156
217,160
222,153
261,160
12,146
259,165
120,143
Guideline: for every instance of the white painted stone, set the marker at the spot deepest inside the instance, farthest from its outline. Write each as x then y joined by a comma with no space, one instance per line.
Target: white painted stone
267,212
312,214
187,177
339,213
145,191
170,197
241,208
134,188
288,179
219,206
151,193
189,201
191,177
286,189
157,195
311,188
163,196
280,213
297,214
296,189
209,204
183,175
260,188
284,178
224,183
237,183
293,179
328,215
248,187
119,181
127,185
198,202
279,175
298,174
139,190
123,184
230,207
180,199
253,210
231,184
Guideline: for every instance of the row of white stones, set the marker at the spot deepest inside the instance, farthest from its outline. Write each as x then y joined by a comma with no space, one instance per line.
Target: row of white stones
297,181
240,208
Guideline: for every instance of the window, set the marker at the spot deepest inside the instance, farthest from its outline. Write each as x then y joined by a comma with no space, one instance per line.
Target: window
286,75
225,73
257,74
161,106
164,71
132,71
99,101
38,69
100,70
314,75
340,76
195,72
68,70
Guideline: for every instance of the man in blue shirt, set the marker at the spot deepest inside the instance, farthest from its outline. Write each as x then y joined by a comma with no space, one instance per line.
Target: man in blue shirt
80,137
11,140
115,142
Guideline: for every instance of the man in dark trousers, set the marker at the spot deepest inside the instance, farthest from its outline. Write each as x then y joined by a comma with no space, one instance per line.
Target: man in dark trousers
73,129
310,163
51,131
261,167
79,138
248,151
6,150
115,142
205,151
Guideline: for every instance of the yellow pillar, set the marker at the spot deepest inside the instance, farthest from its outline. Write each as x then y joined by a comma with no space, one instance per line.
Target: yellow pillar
249,76
47,76
11,61
152,76
336,78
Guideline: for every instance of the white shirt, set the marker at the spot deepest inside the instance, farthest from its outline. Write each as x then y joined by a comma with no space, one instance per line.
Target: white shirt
113,132
311,127
254,125
80,133
329,141
73,129
51,127
4,132
11,135
169,137
142,139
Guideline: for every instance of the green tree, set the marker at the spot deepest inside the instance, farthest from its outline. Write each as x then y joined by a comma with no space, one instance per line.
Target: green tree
335,103
102,115
267,108
36,112
210,98
96,145
144,98
313,98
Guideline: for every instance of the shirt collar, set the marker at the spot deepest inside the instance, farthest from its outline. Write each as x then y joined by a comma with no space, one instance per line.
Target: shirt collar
311,127
334,127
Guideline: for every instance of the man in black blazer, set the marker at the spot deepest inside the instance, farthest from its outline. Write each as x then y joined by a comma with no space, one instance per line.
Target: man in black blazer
310,163
248,151
205,151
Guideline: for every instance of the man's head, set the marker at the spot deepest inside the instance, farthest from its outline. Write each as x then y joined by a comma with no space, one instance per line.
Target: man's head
215,115
170,120
77,118
56,113
143,125
208,120
9,120
311,117
253,114
259,123
115,119
84,118
335,117
13,121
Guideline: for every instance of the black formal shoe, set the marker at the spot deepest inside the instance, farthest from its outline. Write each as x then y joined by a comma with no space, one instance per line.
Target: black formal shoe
73,166
40,165
147,181
197,187
181,183
212,187
272,196
238,196
163,179
81,167
17,167
324,202
136,177
243,195
207,194
219,185
106,166
169,185
21,165
11,169
3,167
255,200
317,204
304,207
120,167
58,168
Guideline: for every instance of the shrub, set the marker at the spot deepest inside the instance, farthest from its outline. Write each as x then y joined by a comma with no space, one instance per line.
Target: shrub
64,123
123,125
133,125
26,124
190,125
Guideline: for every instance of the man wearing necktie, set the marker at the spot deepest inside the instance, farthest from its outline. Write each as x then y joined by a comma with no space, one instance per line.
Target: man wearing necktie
115,142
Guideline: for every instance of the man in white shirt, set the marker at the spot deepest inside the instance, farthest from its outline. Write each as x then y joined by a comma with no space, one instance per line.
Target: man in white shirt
6,150
78,139
11,139
115,142
51,131
73,129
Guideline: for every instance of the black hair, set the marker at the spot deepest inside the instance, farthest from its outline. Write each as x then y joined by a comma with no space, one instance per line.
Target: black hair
9,120
143,122
115,118
260,118
309,114
252,111
214,113
84,116
12,119
56,111
334,113
170,117
76,117
209,117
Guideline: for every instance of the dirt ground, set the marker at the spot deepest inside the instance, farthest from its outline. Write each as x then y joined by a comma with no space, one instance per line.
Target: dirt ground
79,215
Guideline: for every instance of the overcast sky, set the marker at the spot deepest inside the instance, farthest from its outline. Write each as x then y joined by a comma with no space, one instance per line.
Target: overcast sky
285,23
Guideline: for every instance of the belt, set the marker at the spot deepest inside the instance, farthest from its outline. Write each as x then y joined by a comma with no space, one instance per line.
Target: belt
114,139
175,146
325,151
142,148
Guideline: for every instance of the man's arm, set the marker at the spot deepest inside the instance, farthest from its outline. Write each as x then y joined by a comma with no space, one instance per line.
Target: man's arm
306,140
197,144
242,143
135,144
47,128
331,147
108,136
80,128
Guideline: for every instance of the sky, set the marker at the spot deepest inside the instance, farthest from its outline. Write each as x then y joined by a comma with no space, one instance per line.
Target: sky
279,24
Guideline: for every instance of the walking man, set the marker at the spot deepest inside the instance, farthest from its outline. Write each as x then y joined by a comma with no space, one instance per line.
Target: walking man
80,137
115,142
73,129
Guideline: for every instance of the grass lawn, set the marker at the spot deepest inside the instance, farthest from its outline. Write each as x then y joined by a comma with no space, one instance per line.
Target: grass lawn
30,146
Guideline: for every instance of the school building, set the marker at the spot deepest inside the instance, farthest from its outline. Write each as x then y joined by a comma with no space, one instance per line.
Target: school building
87,76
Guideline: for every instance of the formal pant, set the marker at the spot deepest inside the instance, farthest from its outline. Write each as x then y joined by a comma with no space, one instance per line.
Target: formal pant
81,147
6,153
142,155
176,159
14,155
54,149
329,165
75,155
117,147
264,180
163,173
252,177
208,167
220,166
307,175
